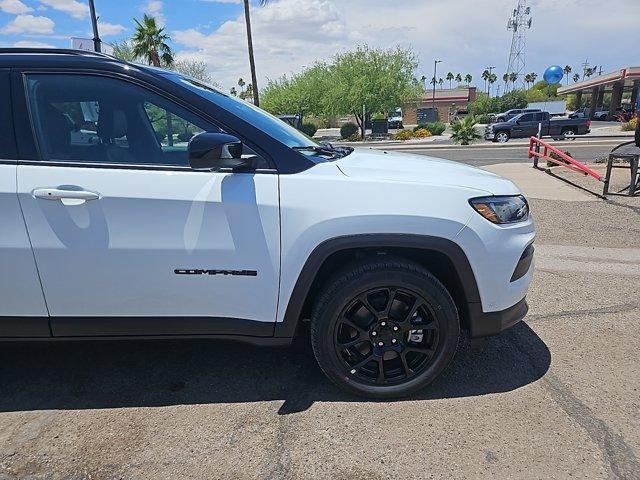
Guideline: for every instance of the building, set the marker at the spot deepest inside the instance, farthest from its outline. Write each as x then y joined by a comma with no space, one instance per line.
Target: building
616,83
447,101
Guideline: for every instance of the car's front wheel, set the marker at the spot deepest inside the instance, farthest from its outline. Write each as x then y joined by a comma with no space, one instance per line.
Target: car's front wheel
384,328
502,137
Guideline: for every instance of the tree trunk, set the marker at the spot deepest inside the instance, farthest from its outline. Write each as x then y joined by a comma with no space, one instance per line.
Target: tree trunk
252,63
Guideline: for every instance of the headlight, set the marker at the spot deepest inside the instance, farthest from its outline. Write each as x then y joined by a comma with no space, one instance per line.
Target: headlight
502,209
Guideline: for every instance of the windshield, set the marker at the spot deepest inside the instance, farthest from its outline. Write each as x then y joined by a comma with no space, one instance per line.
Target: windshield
272,126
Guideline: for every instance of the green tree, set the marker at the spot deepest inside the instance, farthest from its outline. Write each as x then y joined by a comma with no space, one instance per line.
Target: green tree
464,131
252,62
485,76
378,80
440,82
124,51
150,43
492,79
193,68
576,77
468,78
527,80
505,79
513,78
302,94
450,77
458,78
567,71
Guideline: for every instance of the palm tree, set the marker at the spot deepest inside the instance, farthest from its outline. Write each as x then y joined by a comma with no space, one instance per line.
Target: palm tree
492,79
252,62
576,77
433,81
505,79
485,77
440,82
588,72
527,80
534,75
450,77
458,78
513,78
150,43
567,71
468,78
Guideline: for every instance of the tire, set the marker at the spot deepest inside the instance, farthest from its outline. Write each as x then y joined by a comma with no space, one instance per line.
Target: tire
356,330
568,134
502,137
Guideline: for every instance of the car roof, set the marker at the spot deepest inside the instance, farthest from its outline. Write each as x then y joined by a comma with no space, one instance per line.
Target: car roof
52,57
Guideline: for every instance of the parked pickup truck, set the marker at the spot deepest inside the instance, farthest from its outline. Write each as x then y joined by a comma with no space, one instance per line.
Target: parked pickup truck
238,226
525,125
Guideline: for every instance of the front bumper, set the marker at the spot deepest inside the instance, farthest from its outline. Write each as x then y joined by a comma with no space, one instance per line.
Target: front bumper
485,324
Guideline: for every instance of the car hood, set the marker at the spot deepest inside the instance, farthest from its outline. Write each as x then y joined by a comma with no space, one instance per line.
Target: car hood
381,165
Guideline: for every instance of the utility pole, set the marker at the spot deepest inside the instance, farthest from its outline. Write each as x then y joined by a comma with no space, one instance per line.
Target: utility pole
94,24
435,75
585,65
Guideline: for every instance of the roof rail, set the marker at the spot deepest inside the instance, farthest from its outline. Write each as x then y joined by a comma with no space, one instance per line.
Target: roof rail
65,51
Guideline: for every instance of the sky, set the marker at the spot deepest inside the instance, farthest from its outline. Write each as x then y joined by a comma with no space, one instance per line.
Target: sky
290,35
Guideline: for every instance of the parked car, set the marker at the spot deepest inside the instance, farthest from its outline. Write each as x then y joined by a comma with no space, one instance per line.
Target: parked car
581,112
251,231
395,119
509,114
526,125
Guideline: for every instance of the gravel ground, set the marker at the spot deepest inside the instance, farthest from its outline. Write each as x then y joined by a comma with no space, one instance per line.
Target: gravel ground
554,397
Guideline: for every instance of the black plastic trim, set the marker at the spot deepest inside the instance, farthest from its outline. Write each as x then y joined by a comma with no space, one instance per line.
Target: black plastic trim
523,264
486,324
157,326
454,253
17,327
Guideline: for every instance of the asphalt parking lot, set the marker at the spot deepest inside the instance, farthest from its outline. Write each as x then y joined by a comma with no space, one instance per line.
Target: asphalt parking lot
557,396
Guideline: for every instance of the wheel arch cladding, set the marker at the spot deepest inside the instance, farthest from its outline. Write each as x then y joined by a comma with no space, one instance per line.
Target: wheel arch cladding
442,257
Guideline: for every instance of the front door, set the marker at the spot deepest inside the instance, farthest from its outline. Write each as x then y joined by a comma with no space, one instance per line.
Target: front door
127,238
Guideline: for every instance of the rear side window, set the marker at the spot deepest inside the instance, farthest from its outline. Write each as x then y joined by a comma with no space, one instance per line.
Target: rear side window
7,138
90,118
526,117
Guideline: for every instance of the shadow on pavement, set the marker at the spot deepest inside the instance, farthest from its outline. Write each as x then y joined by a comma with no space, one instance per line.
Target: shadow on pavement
82,375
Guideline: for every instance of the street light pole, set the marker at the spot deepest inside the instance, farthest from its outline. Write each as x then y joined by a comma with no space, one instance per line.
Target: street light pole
435,69
94,24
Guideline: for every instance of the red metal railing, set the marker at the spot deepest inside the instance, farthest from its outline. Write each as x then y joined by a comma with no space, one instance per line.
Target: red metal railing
539,149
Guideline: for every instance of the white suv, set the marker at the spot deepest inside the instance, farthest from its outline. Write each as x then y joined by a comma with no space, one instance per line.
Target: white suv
194,214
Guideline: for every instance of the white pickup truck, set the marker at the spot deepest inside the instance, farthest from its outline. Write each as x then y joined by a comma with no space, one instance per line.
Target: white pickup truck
195,214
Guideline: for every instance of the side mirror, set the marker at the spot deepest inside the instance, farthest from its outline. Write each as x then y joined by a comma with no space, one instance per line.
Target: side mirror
213,151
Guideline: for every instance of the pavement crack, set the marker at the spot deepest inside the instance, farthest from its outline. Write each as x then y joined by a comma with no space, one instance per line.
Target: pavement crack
618,454
611,309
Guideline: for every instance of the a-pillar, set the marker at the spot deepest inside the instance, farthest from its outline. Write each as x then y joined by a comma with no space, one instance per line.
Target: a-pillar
616,99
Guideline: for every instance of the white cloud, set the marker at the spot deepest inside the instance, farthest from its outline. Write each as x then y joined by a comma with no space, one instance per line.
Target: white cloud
30,44
154,8
467,34
72,7
14,6
107,29
28,24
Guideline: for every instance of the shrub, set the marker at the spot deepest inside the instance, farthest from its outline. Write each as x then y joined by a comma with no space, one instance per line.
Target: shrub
354,138
348,130
464,131
436,128
555,156
420,126
309,129
630,126
403,135
484,118
422,133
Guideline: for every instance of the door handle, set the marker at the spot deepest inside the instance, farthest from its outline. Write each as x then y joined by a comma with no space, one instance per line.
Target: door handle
58,194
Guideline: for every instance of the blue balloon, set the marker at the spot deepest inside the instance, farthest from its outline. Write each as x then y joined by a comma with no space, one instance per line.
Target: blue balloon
553,74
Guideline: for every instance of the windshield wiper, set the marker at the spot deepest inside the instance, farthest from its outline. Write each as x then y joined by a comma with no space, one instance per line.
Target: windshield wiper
327,149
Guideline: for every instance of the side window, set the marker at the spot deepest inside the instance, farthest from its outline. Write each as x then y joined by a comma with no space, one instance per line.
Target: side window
172,131
89,118
538,117
526,117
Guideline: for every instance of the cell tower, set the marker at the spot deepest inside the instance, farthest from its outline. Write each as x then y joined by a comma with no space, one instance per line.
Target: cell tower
519,23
